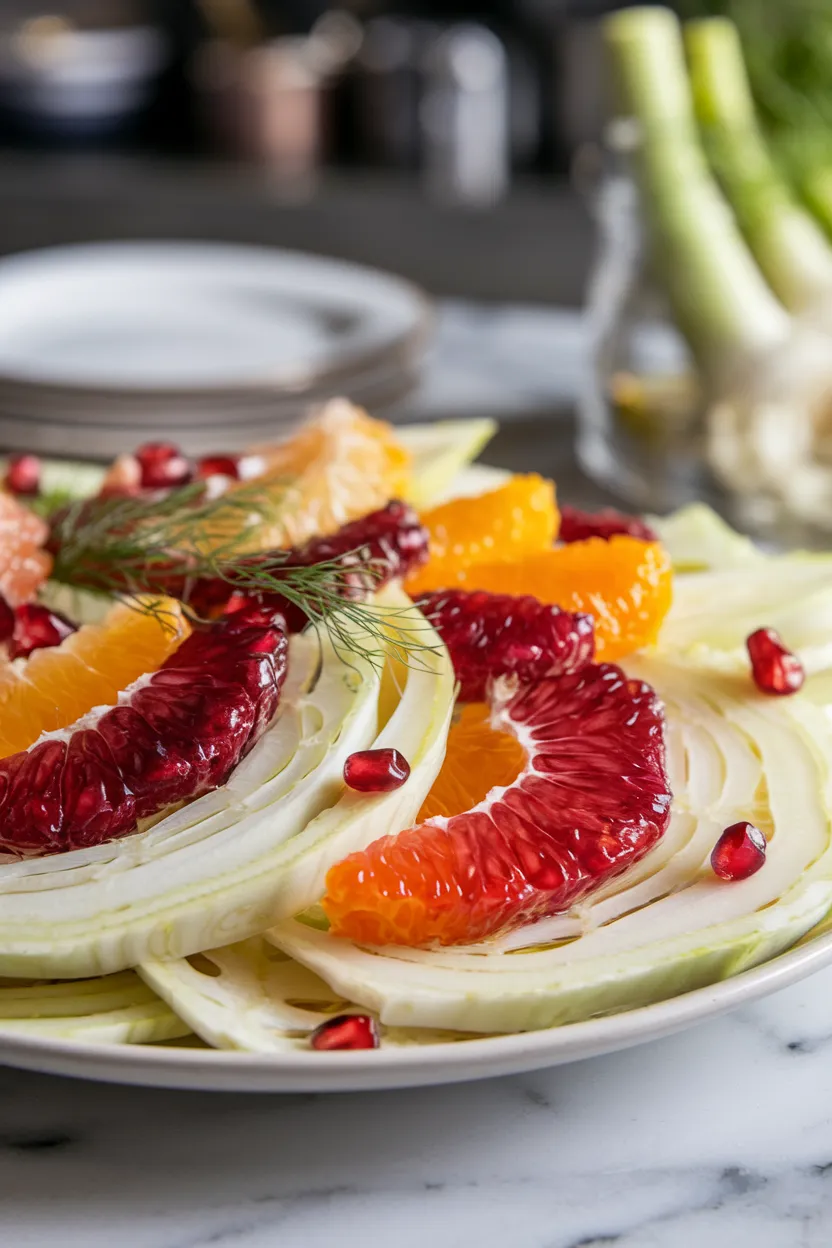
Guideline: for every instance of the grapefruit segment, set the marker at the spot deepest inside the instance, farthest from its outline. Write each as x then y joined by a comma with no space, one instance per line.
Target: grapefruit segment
24,565
625,584
515,520
336,468
592,799
54,687
176,735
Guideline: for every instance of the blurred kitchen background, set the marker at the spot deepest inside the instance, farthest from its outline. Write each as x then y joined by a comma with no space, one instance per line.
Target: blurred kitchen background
467,148
430,138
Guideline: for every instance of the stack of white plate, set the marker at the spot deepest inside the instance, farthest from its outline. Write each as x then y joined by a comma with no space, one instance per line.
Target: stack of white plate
211,346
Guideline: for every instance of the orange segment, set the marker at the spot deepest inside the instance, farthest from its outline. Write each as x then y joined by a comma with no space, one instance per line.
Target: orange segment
90,668
624,583
23,565
340,466
515,520
477,759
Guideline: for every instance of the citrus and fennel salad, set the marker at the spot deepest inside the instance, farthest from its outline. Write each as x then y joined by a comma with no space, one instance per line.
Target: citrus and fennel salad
324,746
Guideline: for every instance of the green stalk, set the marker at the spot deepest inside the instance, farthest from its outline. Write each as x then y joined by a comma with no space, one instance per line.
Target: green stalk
790,248
718,295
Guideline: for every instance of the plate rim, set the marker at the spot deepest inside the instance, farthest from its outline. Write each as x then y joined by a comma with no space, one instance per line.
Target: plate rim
417,1066
413,341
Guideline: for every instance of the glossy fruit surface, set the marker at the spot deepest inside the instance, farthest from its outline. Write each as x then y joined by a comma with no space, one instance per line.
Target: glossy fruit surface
24,564
592,799
346,1031
37,628
88,669
774,668
515,520
739,852
338,467
376,771
163,466
491,635
23,475
625,585
478,758
219,466
576,525
369,552
173,737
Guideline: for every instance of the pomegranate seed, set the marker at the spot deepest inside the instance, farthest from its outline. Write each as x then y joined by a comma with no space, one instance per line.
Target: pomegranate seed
576,526
376,771
37,628
739,852
346,1031
163,466
219,466
774,668
7,620
23,475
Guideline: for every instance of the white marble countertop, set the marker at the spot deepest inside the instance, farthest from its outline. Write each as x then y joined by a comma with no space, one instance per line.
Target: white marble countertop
717,1138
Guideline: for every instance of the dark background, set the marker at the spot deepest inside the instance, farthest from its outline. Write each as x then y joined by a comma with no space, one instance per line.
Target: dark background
162,172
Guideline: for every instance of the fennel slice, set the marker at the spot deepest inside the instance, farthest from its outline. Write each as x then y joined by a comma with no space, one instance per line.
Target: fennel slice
656,936
113,1009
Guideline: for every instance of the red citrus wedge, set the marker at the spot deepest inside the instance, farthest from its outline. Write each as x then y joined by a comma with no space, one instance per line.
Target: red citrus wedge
626,585
175,735
592,798
89,668
491,635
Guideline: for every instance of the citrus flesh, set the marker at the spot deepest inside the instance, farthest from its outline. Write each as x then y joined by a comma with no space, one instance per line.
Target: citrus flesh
517,519
592,799
54,687
339,466
24,566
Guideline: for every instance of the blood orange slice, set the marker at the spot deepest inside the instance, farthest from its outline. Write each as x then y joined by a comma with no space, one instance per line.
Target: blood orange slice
592,799
515,520
576,525
491,635
368,552
24,566
478,758
173,736
626,585
89,668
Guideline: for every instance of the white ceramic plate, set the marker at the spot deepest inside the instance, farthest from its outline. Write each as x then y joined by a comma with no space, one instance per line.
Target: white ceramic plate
167,318
420,1066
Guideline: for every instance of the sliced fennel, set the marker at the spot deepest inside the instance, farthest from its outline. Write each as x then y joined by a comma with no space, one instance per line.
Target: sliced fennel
224,867
666,926
696,538
418,727
114,1009
792,593
791,249
201,875
252,997
440,452
769,373
726,587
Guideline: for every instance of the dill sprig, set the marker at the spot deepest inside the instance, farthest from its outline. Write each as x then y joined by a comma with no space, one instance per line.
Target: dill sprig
184,542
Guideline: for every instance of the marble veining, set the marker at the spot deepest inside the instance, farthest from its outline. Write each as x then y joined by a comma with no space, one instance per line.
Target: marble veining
720,1137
